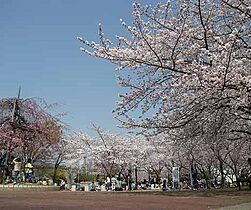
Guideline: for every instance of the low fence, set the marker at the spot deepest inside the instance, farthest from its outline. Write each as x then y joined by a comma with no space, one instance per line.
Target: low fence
28,187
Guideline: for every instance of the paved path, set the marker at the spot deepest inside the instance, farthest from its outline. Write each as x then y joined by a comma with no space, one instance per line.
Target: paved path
66,200
243,206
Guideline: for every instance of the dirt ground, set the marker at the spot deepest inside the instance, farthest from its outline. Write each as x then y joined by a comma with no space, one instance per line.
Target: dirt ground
120,200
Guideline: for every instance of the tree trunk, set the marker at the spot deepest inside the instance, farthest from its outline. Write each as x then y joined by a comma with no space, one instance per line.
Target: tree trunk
222,175
55,174
58,161
208,179
136,178
238,180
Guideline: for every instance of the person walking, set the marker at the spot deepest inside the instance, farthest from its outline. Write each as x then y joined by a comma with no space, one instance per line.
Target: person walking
17,169
107,183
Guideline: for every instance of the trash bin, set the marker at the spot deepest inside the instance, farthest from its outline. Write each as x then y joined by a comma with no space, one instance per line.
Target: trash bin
102,187
87,187
73,187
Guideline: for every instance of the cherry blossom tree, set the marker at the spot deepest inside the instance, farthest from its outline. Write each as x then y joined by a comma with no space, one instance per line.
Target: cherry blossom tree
181,58
185,67
158,155
68,152
26,128
111,153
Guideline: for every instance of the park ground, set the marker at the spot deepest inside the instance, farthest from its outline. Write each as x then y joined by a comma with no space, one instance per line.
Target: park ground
202,200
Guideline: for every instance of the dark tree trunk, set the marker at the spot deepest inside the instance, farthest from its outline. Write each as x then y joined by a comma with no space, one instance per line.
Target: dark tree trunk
238,180
136,178
209,180
222,175
58,161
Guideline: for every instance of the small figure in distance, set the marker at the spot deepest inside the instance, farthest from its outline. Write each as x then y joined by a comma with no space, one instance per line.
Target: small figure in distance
164,187
29,171
93,186
17,169
107,183
62,184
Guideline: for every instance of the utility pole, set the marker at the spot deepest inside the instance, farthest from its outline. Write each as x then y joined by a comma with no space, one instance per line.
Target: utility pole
15,106
12,120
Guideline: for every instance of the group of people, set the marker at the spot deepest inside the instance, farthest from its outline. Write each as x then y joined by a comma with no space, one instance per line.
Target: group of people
12,170
111,184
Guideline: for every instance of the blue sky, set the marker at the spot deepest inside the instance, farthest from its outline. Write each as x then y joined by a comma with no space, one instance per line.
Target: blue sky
39,52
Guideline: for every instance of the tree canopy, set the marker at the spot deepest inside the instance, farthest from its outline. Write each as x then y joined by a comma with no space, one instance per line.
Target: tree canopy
26,128
185,60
